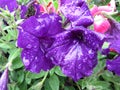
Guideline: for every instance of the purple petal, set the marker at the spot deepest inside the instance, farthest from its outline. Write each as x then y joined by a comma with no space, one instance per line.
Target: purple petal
74,52
11,4
33,54
26,40
35,60
113,35
114,65
76,2
37,9
4,80
45,25
23,11
78,13
115,45
26,8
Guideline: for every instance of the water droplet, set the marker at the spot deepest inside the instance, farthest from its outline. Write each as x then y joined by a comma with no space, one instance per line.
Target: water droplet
79,66
36,58
26,61
29,46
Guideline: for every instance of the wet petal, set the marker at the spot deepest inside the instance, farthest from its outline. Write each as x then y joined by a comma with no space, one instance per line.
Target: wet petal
78,13
23,11
76,2
26,40
11,5
45,25
115,45
74,52
114,65
113,35
35,60
33,53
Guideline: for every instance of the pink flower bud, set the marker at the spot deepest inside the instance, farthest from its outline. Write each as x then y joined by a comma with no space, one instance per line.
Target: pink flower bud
101,24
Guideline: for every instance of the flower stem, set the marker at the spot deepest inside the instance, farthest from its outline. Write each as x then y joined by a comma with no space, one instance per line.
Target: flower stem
44,77
40,84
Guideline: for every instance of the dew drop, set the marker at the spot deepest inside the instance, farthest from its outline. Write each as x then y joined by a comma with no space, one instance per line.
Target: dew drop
26,61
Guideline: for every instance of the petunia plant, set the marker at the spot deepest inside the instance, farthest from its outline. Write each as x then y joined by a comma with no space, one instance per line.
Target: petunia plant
59,45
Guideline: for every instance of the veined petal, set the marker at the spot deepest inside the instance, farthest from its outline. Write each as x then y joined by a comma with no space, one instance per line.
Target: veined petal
35,60
78,13
10,4
114,65
26,40
76,2
45,25
113,35
4,80
75,53
33,53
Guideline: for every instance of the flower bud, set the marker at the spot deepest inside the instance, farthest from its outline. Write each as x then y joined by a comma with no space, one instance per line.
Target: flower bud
4,80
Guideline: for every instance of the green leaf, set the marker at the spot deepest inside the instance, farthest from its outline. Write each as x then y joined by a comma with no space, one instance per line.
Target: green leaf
17,76
116,17
13,87
13,54
98,85
117,86
47,85
5,46
52,71
59,72
101,2
54,82
35,75
28,80
56,4
23,86
17,63
69,88
36,86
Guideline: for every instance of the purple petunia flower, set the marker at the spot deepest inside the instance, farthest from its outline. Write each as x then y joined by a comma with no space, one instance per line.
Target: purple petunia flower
75,51
23,11
35,37
10,4
113,35
4,80
114,65
45,43
32,9
77,12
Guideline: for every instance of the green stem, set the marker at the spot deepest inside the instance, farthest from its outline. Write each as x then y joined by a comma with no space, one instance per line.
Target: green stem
40,84
78,86
101,71
44,77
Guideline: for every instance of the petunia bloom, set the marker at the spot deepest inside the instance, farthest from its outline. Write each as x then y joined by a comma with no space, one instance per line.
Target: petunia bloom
75,51
113,37
77,12
35,37
32,9
10,4
4,80
45,43
101,23
114,65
